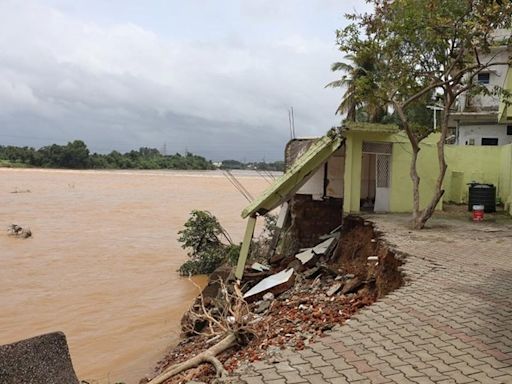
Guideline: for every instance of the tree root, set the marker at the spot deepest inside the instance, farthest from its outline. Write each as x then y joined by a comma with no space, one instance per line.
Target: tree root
207,356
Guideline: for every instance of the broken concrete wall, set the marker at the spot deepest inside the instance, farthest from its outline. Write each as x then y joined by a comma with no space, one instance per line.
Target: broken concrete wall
42,359
310,215
311,219
294,149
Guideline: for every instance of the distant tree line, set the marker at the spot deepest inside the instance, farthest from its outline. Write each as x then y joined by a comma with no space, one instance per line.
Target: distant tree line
76,155
261,166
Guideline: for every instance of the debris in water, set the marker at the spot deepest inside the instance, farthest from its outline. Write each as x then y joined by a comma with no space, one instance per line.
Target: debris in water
19,231
21,191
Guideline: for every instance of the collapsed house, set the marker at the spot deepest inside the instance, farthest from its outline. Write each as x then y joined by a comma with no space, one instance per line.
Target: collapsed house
364,167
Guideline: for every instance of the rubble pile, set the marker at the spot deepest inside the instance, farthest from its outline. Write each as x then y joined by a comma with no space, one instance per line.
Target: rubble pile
297,299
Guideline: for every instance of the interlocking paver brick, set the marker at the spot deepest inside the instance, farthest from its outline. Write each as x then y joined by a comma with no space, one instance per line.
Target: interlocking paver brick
459,377
328,372
270,374
400,379
254,380
293,377
450,323
316,379
338,380
352,375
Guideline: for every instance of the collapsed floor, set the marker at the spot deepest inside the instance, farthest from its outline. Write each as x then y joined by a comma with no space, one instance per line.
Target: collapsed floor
300,297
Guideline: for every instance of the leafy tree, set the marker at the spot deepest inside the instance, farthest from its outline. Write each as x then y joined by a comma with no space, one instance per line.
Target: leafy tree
358,79
76,155
232,164
427,47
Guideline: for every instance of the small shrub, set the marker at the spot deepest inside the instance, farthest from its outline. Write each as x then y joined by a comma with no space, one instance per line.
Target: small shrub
202,238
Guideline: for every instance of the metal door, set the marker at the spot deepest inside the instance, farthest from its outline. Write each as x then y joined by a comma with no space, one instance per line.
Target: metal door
382,180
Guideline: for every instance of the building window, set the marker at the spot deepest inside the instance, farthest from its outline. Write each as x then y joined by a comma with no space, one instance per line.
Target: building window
489,141
509,130
484,77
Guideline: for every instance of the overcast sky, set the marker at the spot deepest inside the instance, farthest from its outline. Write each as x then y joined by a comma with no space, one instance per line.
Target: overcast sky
212,77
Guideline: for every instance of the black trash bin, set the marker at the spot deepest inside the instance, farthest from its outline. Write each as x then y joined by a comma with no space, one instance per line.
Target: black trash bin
482,194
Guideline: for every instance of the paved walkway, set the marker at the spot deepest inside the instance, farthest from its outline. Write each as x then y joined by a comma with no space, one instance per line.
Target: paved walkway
450,323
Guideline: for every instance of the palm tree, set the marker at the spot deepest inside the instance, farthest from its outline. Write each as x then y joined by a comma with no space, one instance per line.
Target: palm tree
359,84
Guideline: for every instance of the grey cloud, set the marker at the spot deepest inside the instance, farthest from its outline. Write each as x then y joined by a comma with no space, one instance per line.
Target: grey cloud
121,86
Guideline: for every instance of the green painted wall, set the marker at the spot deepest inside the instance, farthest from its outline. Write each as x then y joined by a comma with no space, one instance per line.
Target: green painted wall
465,164
505,177
401,185
427,167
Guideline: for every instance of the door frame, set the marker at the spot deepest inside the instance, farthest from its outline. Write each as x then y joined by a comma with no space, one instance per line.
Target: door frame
380,148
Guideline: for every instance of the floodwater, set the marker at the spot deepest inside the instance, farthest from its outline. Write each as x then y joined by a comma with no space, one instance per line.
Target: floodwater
101,265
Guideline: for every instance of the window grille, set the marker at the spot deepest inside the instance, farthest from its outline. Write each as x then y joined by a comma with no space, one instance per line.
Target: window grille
383,165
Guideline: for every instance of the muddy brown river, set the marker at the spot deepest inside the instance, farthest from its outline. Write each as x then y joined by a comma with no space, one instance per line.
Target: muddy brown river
101,265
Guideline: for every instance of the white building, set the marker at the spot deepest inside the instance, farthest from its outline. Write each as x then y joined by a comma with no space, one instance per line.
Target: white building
476,121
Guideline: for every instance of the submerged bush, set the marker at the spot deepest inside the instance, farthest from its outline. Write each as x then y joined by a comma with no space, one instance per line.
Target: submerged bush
202,238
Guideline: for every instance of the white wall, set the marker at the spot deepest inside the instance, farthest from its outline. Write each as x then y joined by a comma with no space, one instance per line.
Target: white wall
477,132
497,76
335,172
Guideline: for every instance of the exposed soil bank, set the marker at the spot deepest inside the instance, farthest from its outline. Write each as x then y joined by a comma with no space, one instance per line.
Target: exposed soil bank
360,270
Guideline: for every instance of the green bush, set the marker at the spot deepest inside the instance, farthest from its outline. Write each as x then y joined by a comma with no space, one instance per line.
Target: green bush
202,238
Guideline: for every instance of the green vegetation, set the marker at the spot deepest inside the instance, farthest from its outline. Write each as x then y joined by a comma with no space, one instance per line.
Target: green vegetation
76,155
260,166
203,237
359,102
209,245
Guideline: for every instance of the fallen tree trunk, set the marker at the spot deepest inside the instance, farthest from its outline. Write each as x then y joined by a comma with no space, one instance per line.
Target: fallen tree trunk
207,356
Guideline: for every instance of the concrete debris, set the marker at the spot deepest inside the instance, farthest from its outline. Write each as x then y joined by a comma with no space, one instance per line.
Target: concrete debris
271,282
269,296
323,247
19,231
262,306
334,233
305,256
306,293
334,288
311,273
352,285
42,359
296,265
260,267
